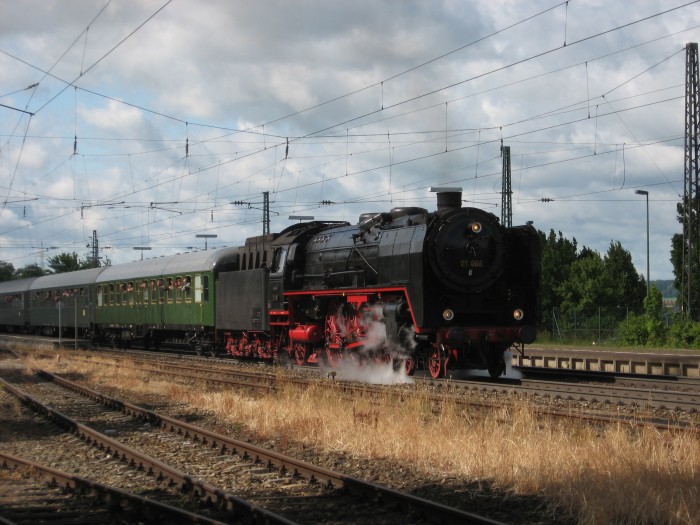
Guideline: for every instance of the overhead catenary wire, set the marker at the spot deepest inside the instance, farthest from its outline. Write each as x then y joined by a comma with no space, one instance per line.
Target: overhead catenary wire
218,164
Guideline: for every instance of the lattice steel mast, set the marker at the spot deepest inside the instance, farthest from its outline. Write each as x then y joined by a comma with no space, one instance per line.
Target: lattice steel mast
691,200
506,192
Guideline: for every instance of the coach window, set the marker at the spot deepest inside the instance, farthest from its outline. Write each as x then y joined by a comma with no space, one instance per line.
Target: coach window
187,289
169,289
177,288
130,293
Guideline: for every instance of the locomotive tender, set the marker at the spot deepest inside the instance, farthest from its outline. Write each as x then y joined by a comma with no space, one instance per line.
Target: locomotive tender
441,290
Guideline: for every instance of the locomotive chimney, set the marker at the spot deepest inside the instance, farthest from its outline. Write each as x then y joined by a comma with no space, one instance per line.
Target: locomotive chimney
448,198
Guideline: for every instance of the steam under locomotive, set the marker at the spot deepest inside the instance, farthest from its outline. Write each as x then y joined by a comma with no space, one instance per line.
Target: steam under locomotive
431,290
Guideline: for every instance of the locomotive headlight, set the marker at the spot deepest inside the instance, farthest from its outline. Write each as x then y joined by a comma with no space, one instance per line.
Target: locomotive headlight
475,227
518,314
448,314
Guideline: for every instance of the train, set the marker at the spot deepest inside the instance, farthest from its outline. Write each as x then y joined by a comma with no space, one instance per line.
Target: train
435,291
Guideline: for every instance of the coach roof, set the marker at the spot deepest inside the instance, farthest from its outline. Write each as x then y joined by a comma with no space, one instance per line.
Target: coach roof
16,285
171,265
66,280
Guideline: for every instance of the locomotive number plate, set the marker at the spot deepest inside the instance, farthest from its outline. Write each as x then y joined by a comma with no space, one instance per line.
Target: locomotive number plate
471,263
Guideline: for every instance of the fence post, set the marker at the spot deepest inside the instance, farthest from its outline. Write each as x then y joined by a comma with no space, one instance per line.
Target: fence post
556,324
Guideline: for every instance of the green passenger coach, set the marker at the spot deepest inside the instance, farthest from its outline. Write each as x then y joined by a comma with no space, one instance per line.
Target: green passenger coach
162,298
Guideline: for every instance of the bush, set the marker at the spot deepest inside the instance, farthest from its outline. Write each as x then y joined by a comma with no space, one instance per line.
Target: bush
685,333
634,330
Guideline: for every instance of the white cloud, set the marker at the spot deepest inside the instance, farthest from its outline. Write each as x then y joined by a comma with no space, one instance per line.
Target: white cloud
200,70
113,116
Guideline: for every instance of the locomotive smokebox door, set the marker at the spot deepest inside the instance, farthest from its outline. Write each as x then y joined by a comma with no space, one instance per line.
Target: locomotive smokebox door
240,300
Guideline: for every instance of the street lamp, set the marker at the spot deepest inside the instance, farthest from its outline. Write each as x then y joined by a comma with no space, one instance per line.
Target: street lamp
646,194
206,236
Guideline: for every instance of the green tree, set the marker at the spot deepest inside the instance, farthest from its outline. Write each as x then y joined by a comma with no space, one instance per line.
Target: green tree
67,262
589,286
629,287
558,254
677,260
654,309
31,270
7,270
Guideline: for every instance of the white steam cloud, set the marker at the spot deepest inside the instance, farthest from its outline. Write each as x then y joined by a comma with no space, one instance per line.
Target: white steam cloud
372,361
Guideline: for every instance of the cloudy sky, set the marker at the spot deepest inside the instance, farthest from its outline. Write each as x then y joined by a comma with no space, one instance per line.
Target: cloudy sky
145,121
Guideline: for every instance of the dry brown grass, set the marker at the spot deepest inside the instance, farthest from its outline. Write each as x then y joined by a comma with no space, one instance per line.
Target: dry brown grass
616,475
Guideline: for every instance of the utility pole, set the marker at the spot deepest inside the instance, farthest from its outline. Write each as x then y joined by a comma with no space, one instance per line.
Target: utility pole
506,191
95,250
266,212
691,199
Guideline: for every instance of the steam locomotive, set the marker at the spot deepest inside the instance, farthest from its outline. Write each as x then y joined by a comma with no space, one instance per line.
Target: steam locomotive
450,289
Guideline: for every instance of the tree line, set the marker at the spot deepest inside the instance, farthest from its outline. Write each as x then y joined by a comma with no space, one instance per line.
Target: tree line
61,263
589,297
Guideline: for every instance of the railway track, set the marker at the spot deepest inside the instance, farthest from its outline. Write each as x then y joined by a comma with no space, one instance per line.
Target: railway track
616,398
56,440
33,493
282,489
675,408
